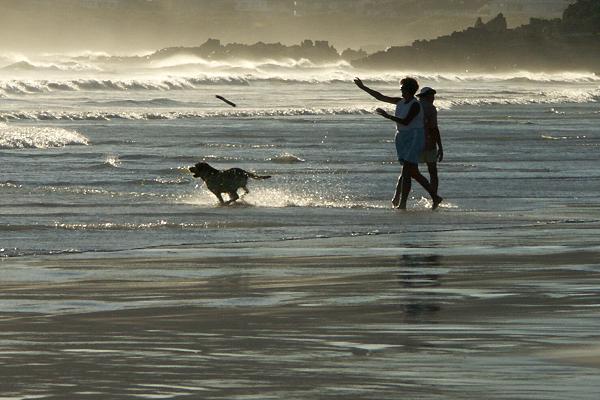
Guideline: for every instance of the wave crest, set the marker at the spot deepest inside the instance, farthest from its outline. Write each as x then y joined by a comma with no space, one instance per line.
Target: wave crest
32,86
293,71
27,66
171,115
22,137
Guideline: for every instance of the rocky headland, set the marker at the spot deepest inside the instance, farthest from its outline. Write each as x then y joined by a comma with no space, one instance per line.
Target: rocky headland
568,43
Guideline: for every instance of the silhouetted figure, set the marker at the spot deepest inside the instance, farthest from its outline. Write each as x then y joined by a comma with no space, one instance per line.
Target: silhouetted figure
410,139
434,151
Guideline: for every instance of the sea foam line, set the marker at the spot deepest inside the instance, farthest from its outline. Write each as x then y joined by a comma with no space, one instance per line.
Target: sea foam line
550,97
33,86
166,80
170,115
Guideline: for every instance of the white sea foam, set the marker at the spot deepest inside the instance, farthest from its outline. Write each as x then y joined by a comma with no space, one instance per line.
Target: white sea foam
72,76
249,65
112,160
32,86
289,70
286,158
132,226
26,66
163,108
426,203
157,115
18,137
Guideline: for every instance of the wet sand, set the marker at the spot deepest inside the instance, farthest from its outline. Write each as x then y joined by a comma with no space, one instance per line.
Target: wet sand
304,319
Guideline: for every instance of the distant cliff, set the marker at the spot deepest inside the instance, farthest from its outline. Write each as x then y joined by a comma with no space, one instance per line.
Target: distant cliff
568,43
212,49
572,42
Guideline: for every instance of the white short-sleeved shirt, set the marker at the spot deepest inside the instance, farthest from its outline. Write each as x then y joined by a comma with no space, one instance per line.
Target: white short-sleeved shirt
402,109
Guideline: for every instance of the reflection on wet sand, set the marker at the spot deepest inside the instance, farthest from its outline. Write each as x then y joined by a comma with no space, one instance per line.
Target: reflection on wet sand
416,273
185,324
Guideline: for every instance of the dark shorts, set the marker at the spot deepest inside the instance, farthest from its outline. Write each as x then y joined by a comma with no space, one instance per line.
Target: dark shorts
429,156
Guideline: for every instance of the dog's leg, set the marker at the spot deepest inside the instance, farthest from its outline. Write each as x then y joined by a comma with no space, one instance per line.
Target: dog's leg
221,201
246,191
233,196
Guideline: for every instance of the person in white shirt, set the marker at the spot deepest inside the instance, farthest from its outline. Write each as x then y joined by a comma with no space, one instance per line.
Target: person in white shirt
409,139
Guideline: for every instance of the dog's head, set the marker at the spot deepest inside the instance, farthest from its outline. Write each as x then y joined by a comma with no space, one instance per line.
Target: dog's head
200,169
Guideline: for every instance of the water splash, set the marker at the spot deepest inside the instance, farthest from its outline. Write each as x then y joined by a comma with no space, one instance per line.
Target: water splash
282,198
286,158
426,203
112,160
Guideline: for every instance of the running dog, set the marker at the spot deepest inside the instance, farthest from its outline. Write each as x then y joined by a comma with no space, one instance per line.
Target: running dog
227,181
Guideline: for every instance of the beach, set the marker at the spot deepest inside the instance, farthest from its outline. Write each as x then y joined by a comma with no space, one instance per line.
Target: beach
304,319
122,277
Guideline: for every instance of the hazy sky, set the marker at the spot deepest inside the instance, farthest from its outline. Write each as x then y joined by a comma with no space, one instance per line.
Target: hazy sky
125,26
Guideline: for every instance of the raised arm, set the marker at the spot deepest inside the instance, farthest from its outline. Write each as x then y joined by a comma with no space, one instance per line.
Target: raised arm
376,94
412,113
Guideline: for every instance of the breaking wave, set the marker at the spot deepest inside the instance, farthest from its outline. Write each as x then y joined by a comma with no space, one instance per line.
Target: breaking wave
26,137
33,86
515,77
171,115
246,75
167,109
158,102
26,66
550,97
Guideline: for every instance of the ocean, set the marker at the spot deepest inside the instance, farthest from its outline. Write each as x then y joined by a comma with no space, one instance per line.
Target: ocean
95,188
97,161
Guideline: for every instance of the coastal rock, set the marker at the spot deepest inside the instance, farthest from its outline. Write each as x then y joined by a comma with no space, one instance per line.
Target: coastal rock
570,43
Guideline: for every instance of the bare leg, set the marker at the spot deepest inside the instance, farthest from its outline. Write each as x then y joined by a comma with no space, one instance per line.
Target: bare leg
416,175
405,186
396,199
433,176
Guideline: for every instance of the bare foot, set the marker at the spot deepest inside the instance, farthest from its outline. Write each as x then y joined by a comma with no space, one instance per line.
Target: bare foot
436,202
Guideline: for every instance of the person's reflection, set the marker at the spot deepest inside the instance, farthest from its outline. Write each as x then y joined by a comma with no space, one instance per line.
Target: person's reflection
415,274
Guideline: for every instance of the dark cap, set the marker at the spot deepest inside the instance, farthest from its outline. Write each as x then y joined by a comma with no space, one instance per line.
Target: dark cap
426,91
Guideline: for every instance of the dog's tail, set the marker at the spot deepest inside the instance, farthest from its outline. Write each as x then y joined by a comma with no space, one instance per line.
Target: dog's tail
254,176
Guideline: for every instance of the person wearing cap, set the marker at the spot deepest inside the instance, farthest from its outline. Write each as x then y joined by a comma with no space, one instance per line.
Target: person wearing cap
433,151
409,139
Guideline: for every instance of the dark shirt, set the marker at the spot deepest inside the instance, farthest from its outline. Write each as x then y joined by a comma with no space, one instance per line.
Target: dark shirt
430,123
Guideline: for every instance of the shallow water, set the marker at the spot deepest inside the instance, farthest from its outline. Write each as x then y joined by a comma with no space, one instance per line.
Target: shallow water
122,277
89,185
